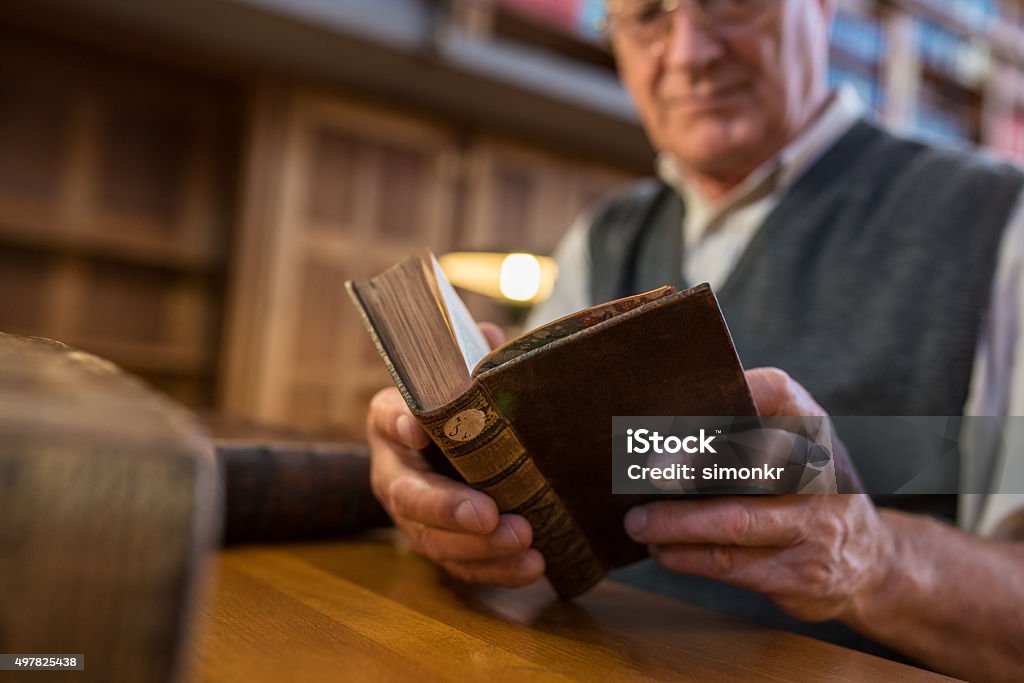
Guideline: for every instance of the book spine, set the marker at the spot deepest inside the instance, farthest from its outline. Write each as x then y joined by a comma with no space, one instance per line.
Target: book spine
291,491
481,444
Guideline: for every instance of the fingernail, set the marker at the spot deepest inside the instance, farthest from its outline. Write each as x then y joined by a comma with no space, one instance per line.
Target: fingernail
466,516
636,522
406,429
507,537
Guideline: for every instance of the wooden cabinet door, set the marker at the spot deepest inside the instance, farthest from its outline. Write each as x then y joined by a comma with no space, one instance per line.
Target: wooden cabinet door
350,191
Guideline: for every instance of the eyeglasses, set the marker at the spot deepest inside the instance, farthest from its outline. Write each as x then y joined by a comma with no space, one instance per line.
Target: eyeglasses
649,23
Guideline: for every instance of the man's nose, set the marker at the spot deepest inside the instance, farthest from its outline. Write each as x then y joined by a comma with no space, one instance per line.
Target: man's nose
691,44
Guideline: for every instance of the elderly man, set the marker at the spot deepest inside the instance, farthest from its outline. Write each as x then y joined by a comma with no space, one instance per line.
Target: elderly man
884,277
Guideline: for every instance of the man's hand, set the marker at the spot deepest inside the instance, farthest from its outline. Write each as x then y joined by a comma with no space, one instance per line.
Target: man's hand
817,557
452,524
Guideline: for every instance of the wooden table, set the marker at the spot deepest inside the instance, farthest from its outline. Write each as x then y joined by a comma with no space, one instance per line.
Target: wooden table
369,609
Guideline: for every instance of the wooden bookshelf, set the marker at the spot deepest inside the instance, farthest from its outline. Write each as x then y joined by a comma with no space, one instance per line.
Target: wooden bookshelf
194,218
114,207
346,190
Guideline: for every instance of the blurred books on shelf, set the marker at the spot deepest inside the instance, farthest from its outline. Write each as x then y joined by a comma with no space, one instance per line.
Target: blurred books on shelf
931,68
579,17
559,12
975,15
946,114
857,49
1008,136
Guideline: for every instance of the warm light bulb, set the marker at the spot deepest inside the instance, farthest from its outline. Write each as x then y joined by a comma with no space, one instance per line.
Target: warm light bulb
516,279
520,277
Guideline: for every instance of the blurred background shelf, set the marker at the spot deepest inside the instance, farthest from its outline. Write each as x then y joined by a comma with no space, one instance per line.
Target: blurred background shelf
185,186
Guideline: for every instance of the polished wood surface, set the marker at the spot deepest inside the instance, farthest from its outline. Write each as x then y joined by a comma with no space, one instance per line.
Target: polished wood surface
369,609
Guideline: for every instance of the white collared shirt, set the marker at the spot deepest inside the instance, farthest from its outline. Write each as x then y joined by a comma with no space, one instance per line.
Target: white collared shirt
715,234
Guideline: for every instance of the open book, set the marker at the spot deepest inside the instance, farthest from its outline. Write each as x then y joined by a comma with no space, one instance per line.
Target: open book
530,423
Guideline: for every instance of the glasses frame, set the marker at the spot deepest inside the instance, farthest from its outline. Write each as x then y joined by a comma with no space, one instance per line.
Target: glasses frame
698,14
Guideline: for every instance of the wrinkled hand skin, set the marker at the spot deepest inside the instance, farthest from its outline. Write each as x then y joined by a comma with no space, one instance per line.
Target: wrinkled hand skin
815,556
454,525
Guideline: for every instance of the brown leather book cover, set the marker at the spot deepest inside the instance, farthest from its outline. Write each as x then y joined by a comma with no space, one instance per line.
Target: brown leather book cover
534,428
673,356
289,490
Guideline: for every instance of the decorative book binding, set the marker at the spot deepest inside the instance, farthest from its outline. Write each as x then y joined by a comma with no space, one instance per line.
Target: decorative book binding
481,444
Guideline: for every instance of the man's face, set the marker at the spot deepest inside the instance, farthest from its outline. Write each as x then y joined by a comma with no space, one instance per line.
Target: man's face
722,102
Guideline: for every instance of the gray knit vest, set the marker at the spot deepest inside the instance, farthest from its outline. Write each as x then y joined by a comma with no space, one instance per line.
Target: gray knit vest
867,282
